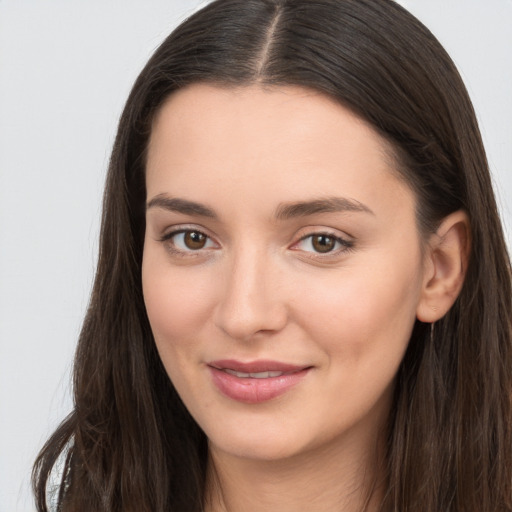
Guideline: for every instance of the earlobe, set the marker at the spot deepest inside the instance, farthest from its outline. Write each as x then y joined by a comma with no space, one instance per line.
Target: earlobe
446,264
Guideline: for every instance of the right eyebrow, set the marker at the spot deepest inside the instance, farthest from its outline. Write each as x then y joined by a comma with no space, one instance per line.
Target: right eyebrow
175,204
325,205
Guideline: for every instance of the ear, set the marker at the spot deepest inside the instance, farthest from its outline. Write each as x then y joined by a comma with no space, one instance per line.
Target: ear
446,262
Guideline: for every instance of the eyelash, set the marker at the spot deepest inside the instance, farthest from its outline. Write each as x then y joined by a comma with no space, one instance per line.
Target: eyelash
344,244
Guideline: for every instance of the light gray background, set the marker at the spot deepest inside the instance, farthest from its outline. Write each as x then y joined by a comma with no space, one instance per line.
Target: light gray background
66,68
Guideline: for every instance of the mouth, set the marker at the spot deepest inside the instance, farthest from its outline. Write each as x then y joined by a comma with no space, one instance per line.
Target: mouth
255,369
257,381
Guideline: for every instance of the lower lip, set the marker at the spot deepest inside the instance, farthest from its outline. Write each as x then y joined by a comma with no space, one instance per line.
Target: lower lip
254,391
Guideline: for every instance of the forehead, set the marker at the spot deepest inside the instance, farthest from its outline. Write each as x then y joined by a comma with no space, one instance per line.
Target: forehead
265,142
257,113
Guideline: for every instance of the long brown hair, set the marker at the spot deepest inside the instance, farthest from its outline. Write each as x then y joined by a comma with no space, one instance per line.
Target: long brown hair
130,444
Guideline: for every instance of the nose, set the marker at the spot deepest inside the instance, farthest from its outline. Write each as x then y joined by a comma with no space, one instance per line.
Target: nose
252,301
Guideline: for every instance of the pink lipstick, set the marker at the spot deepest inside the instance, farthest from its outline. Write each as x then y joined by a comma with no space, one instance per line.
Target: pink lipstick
257,381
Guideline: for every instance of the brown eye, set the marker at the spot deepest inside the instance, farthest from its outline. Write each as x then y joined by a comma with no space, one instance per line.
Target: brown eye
194,240
185,241
323,243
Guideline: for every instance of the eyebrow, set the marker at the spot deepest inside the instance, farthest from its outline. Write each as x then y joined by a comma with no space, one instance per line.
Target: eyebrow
283,212
178,205
325,205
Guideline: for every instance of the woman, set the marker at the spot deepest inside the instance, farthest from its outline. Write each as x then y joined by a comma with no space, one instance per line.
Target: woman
303,296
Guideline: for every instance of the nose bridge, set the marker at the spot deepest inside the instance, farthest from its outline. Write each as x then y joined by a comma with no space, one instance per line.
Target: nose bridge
251,302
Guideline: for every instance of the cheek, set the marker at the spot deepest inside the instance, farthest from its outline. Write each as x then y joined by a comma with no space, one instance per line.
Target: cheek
178,307
365,312
177,304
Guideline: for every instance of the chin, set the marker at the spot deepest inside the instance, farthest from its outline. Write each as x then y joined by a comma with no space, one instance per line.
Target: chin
261,449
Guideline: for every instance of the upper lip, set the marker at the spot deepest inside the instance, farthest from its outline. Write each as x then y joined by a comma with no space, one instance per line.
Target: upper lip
256,366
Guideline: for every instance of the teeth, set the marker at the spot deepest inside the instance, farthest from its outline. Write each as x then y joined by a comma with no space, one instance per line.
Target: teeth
258,375
237,374
265,375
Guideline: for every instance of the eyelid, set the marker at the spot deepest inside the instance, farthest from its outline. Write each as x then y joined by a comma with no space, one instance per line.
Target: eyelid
170,231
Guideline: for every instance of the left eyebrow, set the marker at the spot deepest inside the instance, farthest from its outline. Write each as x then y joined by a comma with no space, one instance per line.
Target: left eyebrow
327,205
175,204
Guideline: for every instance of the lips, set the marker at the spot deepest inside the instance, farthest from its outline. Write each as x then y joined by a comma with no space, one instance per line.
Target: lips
257,381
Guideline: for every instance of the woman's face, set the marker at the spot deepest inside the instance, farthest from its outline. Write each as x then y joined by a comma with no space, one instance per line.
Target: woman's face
282,267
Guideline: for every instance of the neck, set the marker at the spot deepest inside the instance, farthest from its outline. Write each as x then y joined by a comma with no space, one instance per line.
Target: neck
346,477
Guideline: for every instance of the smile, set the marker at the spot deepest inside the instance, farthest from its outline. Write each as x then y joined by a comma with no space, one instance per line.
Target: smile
255,382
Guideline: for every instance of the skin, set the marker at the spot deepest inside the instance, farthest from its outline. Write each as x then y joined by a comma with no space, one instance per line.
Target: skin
259,289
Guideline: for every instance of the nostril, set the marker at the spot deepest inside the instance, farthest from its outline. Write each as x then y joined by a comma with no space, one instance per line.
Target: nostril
245,321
